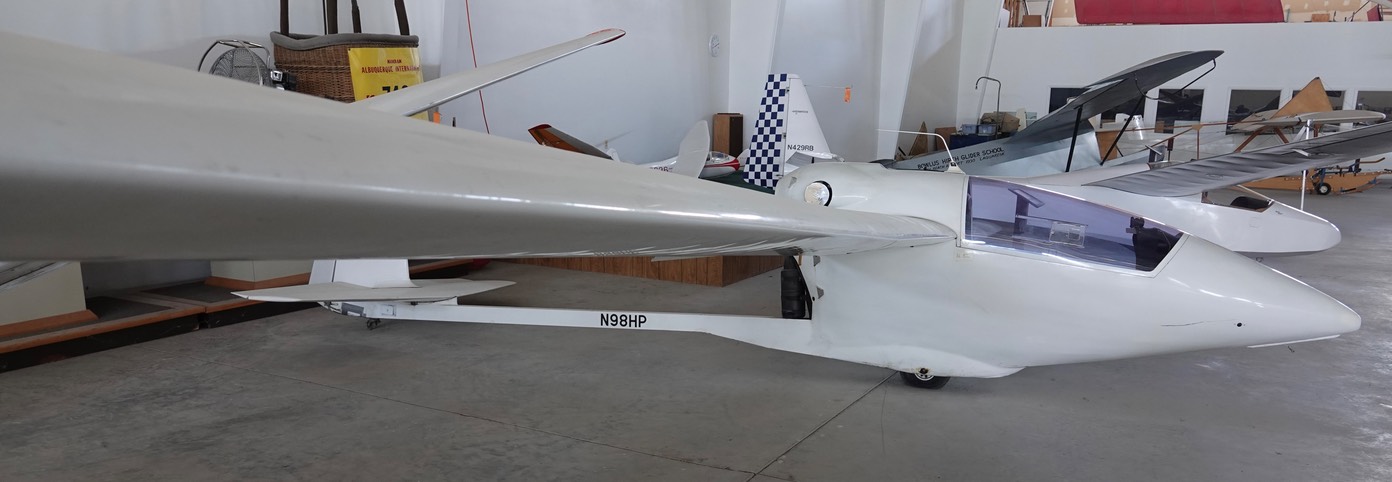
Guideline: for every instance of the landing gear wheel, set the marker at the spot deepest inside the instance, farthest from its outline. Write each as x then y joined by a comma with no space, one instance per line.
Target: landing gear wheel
373,323
1323,189
922,379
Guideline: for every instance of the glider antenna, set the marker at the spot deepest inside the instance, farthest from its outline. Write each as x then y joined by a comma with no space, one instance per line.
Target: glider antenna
951,161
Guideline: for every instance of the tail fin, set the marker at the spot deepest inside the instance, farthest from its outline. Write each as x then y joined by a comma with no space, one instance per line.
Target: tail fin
694,149
786,124
368,273
1311,98
804,132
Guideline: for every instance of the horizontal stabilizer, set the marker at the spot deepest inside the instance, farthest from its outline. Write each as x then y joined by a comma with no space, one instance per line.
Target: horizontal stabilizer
425,290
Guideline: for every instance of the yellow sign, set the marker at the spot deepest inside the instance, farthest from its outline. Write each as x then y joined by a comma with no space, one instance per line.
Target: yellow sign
376,71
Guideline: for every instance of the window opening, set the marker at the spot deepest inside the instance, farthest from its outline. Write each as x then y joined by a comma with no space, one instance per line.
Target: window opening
1237,197
1021,218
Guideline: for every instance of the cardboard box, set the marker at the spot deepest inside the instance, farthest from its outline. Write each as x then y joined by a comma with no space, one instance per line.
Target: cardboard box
1005,120
946,133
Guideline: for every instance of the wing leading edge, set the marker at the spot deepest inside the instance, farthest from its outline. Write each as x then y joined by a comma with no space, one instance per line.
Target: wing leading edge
1230,169
419,98
112,158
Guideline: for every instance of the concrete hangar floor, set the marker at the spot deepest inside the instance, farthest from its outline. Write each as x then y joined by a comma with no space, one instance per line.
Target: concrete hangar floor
313,395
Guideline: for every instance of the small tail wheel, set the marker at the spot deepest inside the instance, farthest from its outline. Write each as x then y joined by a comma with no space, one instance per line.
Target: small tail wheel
1323,189
921,379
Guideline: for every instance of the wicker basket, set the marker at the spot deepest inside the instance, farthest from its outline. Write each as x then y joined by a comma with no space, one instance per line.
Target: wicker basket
320,62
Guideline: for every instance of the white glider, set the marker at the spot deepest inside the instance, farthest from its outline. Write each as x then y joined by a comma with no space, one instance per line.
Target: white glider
932,274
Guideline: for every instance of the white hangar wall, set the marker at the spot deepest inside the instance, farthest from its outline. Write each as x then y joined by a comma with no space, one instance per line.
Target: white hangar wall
640,93
833,44
933,89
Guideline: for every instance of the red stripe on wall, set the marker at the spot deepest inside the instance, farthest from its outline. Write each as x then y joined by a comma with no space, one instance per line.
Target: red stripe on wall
1178,12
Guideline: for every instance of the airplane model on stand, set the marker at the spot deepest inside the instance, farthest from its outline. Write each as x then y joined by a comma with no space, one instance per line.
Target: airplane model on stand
931,274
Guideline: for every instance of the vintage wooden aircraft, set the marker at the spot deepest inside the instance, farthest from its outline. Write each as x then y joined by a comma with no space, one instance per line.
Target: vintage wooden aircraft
932,274
1310,108
1326,181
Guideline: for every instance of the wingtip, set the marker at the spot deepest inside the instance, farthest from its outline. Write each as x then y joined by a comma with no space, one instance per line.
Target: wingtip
620,35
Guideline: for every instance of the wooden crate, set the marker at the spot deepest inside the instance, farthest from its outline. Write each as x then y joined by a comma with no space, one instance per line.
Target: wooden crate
727,133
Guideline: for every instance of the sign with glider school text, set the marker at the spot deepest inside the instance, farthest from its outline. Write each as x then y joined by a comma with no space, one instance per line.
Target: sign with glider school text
376,71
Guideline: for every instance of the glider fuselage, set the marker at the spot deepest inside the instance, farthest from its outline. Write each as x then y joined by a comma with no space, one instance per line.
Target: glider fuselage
996,301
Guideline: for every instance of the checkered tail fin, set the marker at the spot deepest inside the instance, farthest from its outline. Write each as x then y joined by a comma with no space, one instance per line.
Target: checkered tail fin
786,125
763,161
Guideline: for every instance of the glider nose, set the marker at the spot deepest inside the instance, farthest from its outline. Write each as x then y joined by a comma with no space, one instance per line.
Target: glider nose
1316,232
1300,231
1347,320
1324,234
1303,313
1245,303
